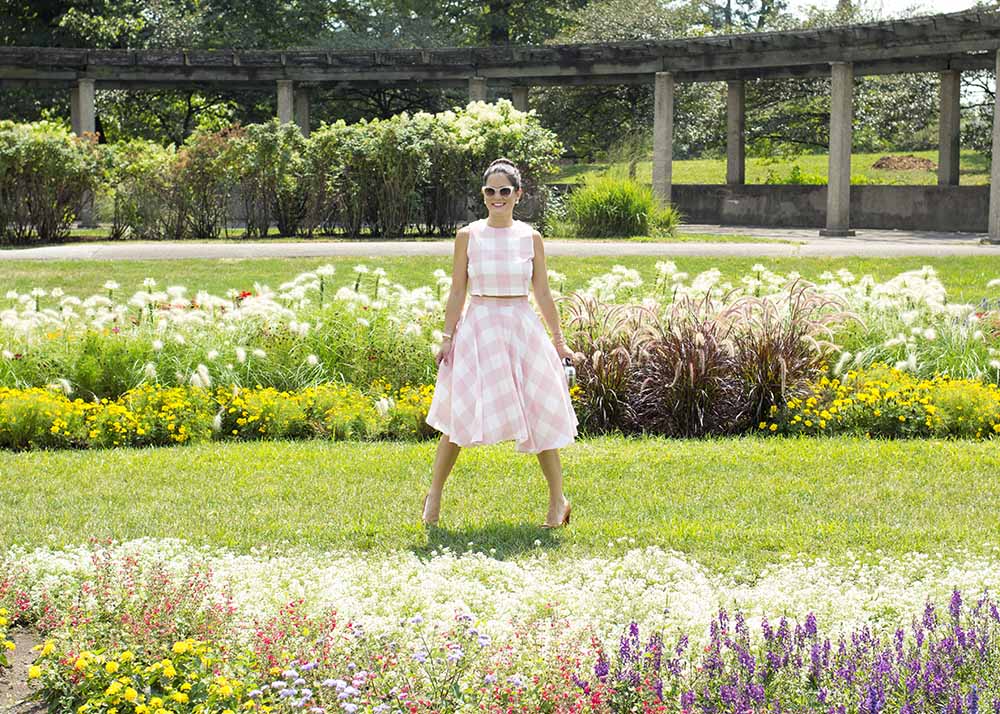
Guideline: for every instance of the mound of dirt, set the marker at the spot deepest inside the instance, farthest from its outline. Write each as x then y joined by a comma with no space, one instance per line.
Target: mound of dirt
905,163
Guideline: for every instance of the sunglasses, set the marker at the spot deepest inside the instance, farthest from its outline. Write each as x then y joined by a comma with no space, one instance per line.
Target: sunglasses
504,191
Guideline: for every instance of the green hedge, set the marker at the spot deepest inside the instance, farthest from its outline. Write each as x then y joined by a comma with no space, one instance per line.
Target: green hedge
378,177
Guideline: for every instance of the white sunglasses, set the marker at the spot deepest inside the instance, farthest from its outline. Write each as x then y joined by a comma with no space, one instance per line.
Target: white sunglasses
504,191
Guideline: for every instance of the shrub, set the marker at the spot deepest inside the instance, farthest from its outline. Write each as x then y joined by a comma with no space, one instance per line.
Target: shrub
269,161
204,173
781,345
685,381
147,200
612,206
45,172
602,333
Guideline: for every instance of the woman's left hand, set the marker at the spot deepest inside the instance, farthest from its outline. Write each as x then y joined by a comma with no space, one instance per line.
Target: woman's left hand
564,352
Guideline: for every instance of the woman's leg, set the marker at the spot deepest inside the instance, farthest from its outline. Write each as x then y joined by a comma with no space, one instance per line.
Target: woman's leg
552,468
444,461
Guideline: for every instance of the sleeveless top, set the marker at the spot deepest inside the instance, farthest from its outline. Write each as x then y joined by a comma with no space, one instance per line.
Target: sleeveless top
500,259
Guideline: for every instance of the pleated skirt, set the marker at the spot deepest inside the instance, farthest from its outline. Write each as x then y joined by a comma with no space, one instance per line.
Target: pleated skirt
504,380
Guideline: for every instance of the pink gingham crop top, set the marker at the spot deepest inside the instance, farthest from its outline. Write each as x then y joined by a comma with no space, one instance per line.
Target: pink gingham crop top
500,259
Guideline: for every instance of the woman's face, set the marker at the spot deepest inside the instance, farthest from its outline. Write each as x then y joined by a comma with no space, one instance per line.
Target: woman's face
500,205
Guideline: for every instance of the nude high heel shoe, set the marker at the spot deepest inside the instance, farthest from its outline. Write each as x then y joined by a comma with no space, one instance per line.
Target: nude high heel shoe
565,518
423,513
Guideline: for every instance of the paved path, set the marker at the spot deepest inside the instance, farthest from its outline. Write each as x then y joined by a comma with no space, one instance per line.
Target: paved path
807,243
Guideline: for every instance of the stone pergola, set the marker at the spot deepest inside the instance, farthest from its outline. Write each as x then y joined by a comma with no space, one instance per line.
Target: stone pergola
946,44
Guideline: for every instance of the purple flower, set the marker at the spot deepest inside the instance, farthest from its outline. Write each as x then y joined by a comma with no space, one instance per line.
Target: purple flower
290,674
516,680
490,678
285,693
955,607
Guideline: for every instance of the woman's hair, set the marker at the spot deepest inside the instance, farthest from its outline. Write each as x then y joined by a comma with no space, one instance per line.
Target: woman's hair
505,167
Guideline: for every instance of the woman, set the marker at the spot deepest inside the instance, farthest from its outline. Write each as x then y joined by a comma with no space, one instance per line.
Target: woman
499,376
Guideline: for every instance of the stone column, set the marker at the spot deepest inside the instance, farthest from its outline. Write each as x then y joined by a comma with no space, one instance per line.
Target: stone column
663,135
736,132
519,96
82,114
838,190
477,89
83,119
286,101
994,224
948,135
301,105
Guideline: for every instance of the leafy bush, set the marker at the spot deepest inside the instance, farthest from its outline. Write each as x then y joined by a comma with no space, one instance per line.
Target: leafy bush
45,172
269,161
608,206
204,172
148,201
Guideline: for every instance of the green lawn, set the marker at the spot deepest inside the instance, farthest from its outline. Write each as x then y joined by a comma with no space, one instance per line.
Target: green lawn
974,169
98,236
723,502
965,277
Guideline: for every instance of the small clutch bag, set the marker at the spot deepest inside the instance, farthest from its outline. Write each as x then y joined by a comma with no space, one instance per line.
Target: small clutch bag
570,371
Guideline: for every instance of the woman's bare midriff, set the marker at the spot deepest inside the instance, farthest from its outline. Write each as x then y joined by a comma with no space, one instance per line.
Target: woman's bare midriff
499,297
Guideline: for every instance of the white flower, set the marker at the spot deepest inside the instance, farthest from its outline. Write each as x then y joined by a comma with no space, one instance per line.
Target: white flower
212,355
930,334
12,294
995,364
57,292
200,377
157,345
150,371
326,270
259,353
111,285
312,360
361,269
7,354
179,338
363,322
241,355
149,283
38,293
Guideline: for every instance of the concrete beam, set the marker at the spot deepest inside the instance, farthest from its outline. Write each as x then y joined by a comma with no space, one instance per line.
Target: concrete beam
477,89
286,101
838,189
736,132
949,133
519,96
301,110
994,221
663,135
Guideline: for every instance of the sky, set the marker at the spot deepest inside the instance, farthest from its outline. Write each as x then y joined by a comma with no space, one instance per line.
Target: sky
893,8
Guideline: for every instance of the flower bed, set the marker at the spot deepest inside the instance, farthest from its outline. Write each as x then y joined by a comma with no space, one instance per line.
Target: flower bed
153,628
158,416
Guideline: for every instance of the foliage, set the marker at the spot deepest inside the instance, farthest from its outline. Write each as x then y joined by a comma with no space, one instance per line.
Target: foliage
608,206
269,163
146,200
45,172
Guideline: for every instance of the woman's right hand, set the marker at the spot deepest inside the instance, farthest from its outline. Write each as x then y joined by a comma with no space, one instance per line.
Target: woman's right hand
444,352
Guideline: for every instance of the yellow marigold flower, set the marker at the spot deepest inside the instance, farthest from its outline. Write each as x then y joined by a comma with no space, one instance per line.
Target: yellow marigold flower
126,656
113,689
111,667
81,662
762,425
773,427
34,672
142,709
181,647
179,697
156,702
130,695
902,418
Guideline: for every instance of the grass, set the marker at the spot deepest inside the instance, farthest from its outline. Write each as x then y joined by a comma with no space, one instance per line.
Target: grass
964,276
99,236
974,169
745,501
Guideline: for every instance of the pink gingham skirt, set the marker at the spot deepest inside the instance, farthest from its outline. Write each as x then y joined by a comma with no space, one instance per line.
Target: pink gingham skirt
503,380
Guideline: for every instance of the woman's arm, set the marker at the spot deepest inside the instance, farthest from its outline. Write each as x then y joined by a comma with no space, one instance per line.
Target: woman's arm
543,296
459,287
